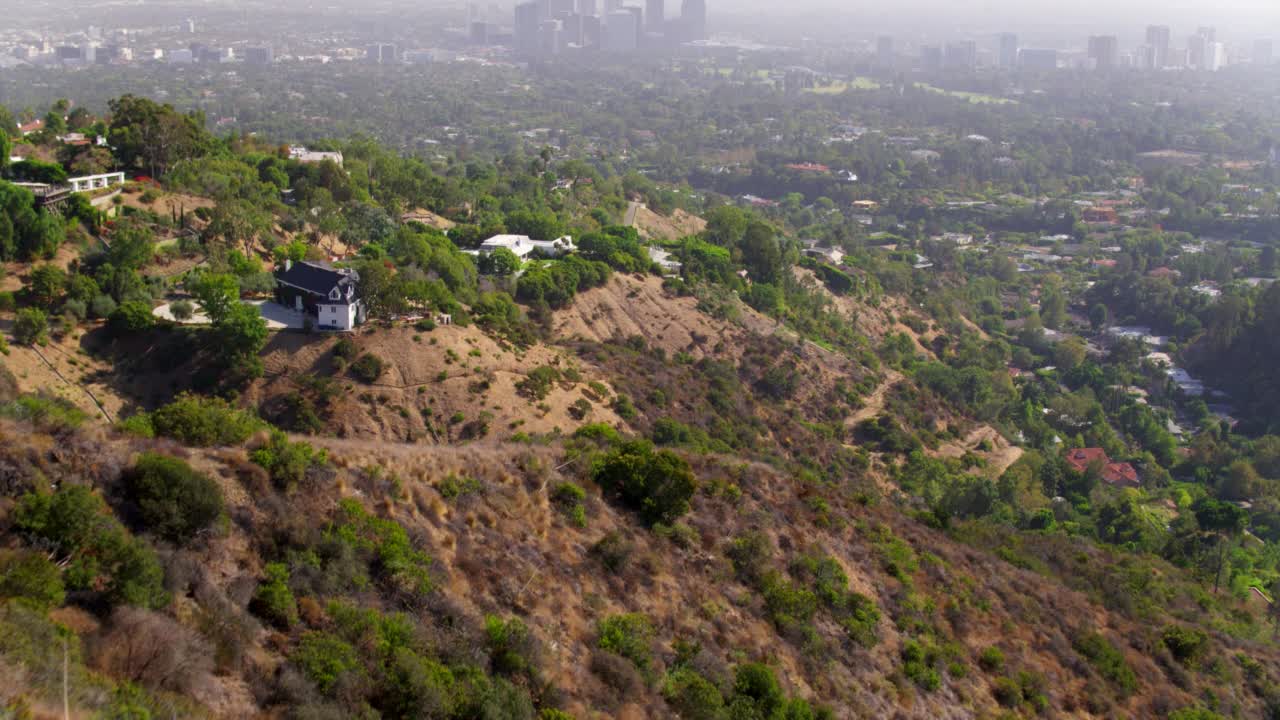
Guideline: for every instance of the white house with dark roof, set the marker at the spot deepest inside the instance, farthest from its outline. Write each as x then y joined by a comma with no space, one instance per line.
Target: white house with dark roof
328,294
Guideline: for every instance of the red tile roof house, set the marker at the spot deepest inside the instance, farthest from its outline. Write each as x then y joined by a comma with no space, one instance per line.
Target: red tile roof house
1113,473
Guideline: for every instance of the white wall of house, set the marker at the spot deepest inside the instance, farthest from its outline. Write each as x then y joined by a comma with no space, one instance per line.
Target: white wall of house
338,317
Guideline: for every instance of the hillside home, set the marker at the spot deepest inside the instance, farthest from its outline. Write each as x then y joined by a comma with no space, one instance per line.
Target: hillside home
327,294
1113,473
523,246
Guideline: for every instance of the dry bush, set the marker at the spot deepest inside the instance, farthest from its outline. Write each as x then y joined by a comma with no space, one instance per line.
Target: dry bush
151,649
618,673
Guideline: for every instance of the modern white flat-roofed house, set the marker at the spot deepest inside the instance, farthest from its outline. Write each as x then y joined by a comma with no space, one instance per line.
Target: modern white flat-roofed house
303,155
95,182
522,246
326,293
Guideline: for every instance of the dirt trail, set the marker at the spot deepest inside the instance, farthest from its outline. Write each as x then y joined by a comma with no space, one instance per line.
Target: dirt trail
874,403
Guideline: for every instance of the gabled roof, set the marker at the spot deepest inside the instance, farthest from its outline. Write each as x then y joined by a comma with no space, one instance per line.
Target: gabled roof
1081,458
1113,473
321,279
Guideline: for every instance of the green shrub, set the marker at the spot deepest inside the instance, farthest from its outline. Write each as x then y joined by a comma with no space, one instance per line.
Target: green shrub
96,552
138,425
395,560
454,486
32,578
1006,692
629,635
288,462
693,697
131,316
173,500
346,349
1187,645
569,499
1107,659
991,659
205,422
31,327
537,384
324,659
274,600
102,306
368,367
52,414
860,618
658,485
510,646
623,406
182,310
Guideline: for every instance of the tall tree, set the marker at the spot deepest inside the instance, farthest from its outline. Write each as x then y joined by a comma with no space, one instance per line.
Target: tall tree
151,137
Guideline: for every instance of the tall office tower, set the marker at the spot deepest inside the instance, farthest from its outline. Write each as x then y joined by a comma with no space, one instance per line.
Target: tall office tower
526,27
884,52
261,55
549,40
1104,51
1209,34
693,20
620,29
1215,56
1008,50
544,9
571,30
962,55
1263,53
561,7
591,31
612,6
931,57
655,15
1197,51
1158,41
586,7
638,13
479,32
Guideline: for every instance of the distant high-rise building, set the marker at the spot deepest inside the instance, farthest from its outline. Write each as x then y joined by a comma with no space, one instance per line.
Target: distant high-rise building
931,57
1038,59
526,27
1158,41
693,20
562,7
620,31
1008,57
191,26
655,15
884,52
262,55
479,32
549,37
962,55
1209,34
1215,56
587,7
381,53
591,31
612,6
1263,52
67,52
1104,51
1197,51
638,13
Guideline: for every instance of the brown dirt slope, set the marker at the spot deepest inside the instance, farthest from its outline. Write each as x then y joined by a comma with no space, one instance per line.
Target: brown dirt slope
431,378
679,224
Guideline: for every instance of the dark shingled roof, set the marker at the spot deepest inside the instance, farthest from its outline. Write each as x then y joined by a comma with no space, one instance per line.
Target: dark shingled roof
319,279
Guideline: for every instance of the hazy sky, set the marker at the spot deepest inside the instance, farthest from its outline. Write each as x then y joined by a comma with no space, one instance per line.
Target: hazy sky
1245,18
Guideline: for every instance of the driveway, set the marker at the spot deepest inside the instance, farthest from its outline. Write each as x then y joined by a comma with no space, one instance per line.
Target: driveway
277,316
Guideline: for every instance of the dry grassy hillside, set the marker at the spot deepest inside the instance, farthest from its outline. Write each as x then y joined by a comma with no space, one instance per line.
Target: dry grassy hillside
503,546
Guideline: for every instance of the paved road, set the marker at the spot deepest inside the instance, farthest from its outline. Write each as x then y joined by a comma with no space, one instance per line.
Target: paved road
630,218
